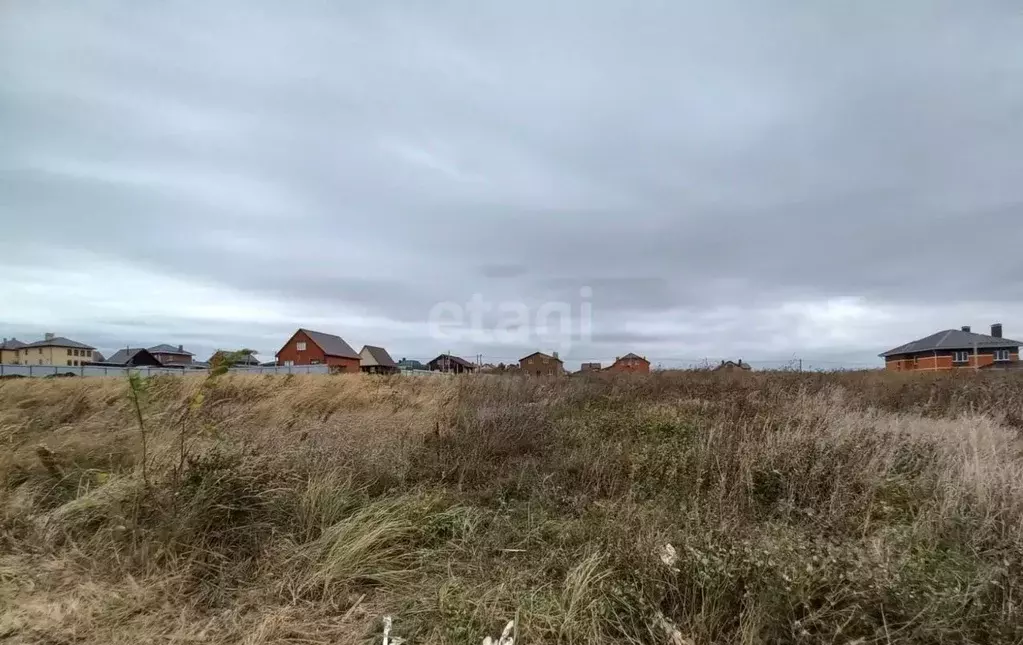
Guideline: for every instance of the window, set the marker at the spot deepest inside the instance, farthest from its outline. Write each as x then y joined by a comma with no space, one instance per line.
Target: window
1001,354
288,363
76,363
961,357
300,345
76,353
69,361
40,351
69,352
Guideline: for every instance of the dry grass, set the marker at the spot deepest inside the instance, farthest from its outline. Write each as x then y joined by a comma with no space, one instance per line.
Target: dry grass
803,508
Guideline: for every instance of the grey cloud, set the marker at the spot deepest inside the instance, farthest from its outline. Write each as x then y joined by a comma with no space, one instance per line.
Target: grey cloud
676,157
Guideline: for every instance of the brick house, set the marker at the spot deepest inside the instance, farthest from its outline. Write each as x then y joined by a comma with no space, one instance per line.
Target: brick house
540,364
589,367
954,349
630,363
307,347
171,355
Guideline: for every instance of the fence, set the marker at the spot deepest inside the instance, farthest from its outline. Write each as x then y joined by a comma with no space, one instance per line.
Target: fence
42,371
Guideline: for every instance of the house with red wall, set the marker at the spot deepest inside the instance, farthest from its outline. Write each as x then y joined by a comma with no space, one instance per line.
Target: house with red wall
630,363
308,347
953,349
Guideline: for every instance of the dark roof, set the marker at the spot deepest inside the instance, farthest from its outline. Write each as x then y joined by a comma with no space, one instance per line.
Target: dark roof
732,364
455,359
60,341
540,354
97,357
631,355
124,356
951,339
13,343
169,349
411,363
330,344
380,355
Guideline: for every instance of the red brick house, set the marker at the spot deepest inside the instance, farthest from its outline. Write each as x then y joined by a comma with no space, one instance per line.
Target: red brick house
952,349
307,347
629,363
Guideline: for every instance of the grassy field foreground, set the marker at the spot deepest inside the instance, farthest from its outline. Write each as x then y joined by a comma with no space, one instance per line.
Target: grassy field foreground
676,508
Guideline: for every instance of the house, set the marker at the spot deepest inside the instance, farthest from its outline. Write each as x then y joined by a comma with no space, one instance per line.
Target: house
733,366
241,358
97,357
376,360
410,364
132,357
589,367
307,347
954,349
449,363
630,363
171,355
9,351
540,364
55,351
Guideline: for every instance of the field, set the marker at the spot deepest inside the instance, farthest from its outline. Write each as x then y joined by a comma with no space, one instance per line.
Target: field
676,508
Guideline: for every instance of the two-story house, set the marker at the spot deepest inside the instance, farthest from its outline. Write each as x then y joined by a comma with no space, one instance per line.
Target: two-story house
170,355
307,347
540,364
630,363
954,349
9,354
56,351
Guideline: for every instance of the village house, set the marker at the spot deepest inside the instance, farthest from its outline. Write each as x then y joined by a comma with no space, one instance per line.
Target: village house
239,358
170,355
9,351
952,349
589,367
131,357
376,360
540,364
55,351
733,366
308,347
450,364
630,363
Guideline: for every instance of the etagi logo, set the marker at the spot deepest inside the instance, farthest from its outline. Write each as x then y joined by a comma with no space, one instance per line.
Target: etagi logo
552,323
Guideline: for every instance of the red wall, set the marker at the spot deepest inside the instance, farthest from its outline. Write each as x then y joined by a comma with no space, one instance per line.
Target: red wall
630,365
313,355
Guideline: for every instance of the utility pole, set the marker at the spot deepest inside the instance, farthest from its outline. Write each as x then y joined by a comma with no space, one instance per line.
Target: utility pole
800,365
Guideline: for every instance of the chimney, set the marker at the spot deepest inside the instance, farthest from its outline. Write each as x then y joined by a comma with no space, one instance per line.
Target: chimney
48,335
181,348
555,354
996,330
966,328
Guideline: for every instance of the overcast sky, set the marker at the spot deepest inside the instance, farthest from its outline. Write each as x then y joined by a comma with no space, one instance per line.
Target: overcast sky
729,179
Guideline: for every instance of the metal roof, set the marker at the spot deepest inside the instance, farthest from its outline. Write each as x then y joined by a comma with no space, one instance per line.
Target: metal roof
60,341
330,344
168,349
377,356
952,339
455,359
12,343
540,354
123,356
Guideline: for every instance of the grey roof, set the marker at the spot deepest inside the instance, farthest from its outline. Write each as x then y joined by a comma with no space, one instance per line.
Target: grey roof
378,355
168,349
123,356
60,341
98,357
455,359
13,343
330,344
951,339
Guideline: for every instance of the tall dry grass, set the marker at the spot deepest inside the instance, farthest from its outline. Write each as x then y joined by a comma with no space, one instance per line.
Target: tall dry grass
800,508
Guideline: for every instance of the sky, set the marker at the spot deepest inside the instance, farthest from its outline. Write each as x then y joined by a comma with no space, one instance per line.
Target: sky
685,180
